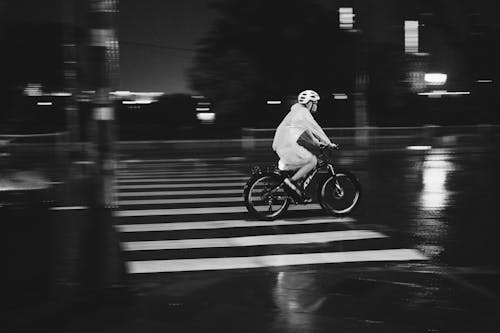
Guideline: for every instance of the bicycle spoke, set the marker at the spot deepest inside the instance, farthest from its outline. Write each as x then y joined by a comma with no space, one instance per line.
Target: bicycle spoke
339,194
265,198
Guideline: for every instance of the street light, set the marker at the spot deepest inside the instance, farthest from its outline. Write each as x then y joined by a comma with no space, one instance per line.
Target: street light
435,79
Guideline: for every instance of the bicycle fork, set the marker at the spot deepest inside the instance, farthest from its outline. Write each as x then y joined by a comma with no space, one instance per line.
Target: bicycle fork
339,192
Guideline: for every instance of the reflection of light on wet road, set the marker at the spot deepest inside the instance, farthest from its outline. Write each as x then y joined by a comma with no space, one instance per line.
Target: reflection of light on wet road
429,227
295,294
434,175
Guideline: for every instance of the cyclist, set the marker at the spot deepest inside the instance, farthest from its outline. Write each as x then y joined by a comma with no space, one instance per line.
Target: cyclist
297,140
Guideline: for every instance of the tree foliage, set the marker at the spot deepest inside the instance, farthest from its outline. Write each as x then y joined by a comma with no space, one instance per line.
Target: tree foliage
259,50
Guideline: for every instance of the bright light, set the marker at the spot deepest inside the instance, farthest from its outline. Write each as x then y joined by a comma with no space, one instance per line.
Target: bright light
346,18
198,96
33,89
484,81
202,109
206,117
434,93
139,101
411,36
144,101
439,93
339,96
274,102
419,147
435,78
60,94
121,93
149,93
44,103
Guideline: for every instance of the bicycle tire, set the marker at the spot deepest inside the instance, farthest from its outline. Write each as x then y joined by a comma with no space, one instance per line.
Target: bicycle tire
329,198
250,192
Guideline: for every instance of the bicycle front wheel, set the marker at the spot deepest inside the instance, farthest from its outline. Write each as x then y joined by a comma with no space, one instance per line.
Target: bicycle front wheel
264,198
339,194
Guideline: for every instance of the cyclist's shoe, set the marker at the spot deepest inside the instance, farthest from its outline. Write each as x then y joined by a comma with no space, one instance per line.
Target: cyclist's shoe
306,199
297,191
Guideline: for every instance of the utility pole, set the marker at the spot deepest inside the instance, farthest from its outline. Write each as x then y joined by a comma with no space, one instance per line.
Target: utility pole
104,266
70,71
104,65
361,82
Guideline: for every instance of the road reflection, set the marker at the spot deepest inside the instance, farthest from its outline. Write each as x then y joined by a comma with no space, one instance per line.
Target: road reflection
435,172
430,227
296,295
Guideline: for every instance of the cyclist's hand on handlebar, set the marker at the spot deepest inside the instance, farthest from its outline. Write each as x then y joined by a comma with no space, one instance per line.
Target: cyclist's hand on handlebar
329,145
334,146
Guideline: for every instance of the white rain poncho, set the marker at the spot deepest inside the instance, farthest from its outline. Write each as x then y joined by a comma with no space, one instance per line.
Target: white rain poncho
292,155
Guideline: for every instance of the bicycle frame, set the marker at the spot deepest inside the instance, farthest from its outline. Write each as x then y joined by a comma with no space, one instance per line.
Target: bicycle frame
313,173
271,197
322,164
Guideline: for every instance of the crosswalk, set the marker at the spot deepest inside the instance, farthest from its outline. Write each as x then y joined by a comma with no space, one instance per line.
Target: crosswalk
182,216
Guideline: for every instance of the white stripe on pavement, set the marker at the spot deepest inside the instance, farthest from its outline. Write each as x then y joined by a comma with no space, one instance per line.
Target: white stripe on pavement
201,225
161,193
282,239
169,170
195,211
181,185
178,201
186,265
177,179
190,166
140,175
187,159
69,208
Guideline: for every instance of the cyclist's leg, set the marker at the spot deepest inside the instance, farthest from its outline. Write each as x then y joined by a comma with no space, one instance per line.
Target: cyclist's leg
303,171
301,160
294,182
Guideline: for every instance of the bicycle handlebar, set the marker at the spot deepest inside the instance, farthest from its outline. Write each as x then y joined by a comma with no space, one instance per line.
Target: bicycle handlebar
325,148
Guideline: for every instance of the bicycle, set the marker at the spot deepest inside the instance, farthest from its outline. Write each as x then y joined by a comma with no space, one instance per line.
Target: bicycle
268,198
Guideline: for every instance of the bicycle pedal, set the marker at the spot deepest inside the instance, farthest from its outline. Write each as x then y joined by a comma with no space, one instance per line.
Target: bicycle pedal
307,200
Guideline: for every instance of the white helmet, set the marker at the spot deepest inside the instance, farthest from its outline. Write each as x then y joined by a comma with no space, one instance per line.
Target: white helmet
308,95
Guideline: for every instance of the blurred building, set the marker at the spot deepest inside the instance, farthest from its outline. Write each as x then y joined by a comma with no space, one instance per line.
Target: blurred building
404,41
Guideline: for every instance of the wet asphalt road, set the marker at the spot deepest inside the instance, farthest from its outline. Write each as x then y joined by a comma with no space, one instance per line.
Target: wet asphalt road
442,202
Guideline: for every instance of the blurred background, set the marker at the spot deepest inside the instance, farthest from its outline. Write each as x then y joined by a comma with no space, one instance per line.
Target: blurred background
98,93
206,69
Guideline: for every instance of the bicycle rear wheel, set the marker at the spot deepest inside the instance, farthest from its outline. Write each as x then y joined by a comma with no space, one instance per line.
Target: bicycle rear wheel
264,198
339,195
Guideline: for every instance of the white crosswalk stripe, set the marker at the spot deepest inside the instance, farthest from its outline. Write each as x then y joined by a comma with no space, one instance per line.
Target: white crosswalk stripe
177,179
181,185
205,264
176,193
304,238
184,216
200,211
173,201
221,224
160,174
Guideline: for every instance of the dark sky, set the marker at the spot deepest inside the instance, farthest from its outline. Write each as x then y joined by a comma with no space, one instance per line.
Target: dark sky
164,26
157,37
152,33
